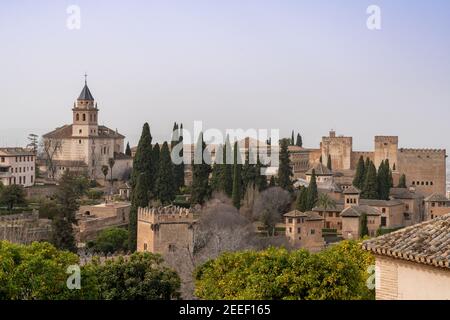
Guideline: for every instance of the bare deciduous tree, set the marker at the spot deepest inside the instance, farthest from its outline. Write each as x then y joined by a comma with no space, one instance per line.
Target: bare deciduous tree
49,148
270,206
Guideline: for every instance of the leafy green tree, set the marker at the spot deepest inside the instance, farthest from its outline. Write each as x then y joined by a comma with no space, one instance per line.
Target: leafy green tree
71,187
141,181
62,236
402,181
370,188
325,201
165,183
364,230
301,203
237,178
336,273
48,209
13,196
329,166
128,150
201,169
312,194
299,142
141,276
284,168
358,180
111,240
34,272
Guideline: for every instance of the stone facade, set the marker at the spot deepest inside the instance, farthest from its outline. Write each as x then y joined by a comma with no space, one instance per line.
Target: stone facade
435,206
165,229
304,230
93,219
404,280
17,166
425,169
413,263
85,145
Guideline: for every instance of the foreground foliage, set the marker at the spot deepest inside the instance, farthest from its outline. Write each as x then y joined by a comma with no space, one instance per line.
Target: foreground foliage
38,272
337,273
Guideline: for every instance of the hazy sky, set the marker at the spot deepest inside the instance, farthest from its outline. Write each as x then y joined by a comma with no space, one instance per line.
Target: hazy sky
303,65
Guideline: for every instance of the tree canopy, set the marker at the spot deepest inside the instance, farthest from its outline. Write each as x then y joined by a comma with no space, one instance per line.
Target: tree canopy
337,273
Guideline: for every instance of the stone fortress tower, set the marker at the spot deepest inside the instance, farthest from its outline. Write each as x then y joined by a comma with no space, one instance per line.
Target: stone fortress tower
425,169
165,229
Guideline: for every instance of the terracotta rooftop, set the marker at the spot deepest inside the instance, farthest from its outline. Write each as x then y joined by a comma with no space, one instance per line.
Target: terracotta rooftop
320,170
357,211
295,213
380,203
15,152
425,243
437,197
352,190
405,193
65,132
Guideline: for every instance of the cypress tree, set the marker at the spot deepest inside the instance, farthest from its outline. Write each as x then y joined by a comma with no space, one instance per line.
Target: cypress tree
358,180
370,187
200,174
128,150
389,174
284,168
312,193
165,183
237,182
156,151
299,142
261,179
142,173
329,162
384,180
402,181
364,231
292,138
301,203
139,198
272,182
178,169
217,170
227,180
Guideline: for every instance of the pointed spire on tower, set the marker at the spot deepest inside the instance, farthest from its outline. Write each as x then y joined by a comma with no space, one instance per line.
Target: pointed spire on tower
86,93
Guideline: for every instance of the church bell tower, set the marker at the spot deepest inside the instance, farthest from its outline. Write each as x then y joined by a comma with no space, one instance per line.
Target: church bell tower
85,114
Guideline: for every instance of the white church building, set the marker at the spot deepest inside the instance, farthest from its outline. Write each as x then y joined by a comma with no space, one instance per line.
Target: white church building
85,145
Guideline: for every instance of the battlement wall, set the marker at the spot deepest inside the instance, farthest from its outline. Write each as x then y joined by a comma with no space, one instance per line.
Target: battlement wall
165,214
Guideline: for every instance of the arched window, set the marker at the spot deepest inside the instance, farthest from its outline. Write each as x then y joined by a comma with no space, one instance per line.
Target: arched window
78,117
84,117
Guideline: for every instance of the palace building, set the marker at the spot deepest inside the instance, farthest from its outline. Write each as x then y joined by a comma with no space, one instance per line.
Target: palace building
84,145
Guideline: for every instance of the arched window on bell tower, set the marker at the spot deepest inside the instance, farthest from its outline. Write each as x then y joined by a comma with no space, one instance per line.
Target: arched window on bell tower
78,117
84,116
